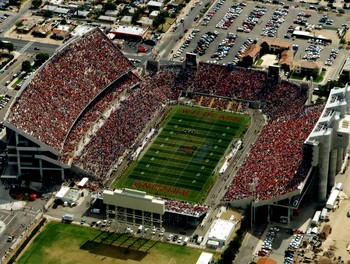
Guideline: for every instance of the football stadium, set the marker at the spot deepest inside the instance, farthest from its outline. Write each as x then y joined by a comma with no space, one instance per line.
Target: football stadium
86,112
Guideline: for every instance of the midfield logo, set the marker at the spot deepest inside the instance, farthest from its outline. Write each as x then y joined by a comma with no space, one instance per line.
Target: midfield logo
189,150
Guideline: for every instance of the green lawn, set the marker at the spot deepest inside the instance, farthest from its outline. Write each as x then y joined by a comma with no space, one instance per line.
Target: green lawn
182,159
71,244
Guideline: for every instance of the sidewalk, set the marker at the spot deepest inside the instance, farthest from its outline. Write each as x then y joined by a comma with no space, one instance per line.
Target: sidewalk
12,205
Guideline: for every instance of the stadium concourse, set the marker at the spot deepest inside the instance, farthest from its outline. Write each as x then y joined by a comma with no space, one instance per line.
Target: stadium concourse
86,109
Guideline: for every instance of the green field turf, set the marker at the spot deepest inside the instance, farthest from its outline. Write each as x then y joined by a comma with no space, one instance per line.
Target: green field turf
71,244
181,161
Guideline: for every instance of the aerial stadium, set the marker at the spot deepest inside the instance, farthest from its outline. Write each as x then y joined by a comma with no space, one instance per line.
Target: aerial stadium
86,112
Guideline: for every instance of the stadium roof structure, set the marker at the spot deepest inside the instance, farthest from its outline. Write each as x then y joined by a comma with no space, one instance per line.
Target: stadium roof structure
346,67
330,137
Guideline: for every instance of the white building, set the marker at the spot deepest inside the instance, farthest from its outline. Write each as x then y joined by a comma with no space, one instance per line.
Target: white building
205,258
126,20
220,233
69,195
330,139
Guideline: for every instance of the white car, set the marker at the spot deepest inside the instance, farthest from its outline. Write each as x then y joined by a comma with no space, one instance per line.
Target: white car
154,231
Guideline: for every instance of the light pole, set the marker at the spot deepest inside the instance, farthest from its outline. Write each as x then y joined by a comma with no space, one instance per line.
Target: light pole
252,209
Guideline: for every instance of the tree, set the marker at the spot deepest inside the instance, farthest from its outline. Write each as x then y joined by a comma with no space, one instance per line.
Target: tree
247,61
137,14
37,3
342,41
265,48
159,20
6,45
47,13
40,59
110,5
124,12
26,66
322,8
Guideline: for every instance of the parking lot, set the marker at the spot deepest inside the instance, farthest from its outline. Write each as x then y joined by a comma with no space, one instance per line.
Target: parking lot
225,28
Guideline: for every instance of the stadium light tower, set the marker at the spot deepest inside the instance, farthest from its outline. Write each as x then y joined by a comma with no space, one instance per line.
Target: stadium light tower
252,208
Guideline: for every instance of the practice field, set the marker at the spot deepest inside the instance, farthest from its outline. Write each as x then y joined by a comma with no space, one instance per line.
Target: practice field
181,161
68,243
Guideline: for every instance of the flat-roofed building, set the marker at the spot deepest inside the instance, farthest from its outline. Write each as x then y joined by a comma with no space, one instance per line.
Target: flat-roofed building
220,233
205,258
129,31
108,19
134,207
69,195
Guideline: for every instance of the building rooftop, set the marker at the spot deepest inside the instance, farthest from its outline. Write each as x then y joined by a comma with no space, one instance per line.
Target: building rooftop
221,230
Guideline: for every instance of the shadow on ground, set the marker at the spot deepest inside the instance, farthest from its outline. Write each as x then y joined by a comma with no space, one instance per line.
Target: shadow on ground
112,251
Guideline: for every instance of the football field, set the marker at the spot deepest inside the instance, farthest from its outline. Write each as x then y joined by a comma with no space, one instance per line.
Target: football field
181,161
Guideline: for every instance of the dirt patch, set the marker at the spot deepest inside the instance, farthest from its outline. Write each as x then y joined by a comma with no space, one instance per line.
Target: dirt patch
237,216
331,34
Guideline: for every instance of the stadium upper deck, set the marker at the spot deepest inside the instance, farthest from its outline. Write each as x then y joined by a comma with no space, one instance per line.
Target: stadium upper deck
65,86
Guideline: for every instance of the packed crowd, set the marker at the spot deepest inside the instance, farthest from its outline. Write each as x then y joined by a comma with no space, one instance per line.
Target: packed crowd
66,85
284,101
93,113
238,83
185,208
276,161
125,124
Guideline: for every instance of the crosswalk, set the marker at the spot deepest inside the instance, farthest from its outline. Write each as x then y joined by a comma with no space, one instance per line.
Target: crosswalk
6,217
25,47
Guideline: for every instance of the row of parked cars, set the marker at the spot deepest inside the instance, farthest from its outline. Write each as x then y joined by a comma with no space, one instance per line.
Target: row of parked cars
252,19
179,240
185,240
232,13
275,22
186,43
205,42
332,56
225,46
301,19
212,12
296,240
312,52
244,47
3,103
326,20
267,244
3,17
288,257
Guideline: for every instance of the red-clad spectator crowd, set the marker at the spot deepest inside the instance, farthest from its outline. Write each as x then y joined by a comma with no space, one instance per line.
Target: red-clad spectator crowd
185,208
275,161
94,113
125,124
64,86
238,83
